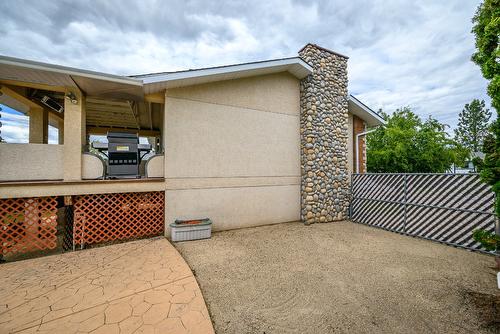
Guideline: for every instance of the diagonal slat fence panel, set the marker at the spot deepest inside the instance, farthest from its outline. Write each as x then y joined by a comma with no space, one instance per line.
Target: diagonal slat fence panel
441,207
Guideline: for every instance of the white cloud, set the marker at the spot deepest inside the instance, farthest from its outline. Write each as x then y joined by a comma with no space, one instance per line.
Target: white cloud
15,128
414,53
426,66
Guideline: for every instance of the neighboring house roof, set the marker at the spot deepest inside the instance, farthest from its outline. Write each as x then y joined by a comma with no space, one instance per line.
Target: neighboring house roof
134,87
159,81
358,108
479,155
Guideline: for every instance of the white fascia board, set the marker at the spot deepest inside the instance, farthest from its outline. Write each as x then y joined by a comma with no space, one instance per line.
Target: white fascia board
207,72
24,63
360,105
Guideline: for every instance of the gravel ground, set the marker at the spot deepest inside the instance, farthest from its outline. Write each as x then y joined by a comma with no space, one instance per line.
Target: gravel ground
341,278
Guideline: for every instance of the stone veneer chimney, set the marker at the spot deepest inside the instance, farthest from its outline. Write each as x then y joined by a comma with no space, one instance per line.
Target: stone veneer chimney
324,131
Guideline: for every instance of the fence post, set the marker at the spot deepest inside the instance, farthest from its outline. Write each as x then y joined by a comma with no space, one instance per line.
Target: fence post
405,200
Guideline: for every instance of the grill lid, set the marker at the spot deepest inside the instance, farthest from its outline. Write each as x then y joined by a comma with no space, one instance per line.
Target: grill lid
122,135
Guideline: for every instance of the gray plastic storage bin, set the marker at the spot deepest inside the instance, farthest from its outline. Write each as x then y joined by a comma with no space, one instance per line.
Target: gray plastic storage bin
184,232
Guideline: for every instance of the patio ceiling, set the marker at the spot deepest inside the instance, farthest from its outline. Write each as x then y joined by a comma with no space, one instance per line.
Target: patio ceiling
110,113
13,103
107,114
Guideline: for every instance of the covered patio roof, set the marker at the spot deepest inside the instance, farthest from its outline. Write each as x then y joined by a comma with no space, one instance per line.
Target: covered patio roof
103,85
117,95
56,77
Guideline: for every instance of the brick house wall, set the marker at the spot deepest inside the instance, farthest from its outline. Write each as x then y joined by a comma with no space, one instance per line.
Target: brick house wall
359,127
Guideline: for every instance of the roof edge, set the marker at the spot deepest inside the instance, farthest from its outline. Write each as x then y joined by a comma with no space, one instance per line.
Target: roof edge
324,49
146,75
366,108
12,61
210,71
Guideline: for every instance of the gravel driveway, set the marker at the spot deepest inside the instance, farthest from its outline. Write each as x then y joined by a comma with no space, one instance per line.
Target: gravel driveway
341,278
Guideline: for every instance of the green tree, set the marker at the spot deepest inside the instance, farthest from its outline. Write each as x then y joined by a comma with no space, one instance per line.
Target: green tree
487,32
473,125
406,144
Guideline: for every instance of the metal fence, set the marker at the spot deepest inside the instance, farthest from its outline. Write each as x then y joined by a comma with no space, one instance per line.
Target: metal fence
441,207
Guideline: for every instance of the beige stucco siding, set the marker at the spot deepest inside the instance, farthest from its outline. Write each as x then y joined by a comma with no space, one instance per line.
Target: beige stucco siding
229,182
215,140
78,188
232,151
21,162
74,137
236,207
274,92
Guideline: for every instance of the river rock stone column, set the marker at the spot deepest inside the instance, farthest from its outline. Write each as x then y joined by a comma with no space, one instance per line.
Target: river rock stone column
324,131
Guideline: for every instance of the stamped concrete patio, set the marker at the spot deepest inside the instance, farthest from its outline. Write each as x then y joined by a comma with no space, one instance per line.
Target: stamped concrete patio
136,287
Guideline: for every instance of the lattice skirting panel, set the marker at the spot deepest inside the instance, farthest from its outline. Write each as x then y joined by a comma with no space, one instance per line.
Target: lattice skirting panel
28,224
108,217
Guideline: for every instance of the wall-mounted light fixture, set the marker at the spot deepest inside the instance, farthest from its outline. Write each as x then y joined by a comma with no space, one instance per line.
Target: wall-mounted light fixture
72,97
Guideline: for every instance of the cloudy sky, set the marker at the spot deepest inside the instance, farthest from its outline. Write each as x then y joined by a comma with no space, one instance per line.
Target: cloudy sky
414,53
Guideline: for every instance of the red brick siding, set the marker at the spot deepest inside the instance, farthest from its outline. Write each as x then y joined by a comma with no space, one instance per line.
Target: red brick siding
358,126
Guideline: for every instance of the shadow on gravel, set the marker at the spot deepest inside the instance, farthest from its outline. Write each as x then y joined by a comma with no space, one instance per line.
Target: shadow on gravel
488,307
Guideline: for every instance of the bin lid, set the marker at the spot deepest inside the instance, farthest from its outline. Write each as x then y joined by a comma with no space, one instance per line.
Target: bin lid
179,223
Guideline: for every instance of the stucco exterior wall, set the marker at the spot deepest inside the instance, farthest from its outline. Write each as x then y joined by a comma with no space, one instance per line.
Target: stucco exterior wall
20,162
235,207
274,93
74,137
233,151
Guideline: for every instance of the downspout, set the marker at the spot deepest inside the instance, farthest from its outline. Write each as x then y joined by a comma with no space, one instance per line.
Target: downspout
357,147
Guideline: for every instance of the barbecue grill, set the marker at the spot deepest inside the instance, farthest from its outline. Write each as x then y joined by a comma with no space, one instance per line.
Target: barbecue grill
124,154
